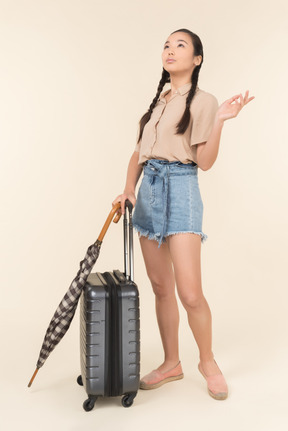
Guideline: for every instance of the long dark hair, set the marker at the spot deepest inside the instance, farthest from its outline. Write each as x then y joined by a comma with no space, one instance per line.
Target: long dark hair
184,122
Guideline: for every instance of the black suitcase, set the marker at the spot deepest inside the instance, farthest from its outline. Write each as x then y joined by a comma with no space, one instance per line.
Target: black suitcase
110,331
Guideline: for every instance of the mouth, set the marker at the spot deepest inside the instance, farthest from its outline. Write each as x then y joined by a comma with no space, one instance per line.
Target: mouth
170,60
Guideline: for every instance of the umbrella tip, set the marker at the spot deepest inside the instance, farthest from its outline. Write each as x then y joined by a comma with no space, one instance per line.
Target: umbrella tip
33,377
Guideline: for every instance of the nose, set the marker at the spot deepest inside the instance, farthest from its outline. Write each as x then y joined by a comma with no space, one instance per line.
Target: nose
170,51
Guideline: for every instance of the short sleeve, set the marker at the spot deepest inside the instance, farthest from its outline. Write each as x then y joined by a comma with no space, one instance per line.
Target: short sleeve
203,115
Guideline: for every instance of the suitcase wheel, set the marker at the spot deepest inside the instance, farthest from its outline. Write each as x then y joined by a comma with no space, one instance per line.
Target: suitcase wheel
79,380
128,400
89,404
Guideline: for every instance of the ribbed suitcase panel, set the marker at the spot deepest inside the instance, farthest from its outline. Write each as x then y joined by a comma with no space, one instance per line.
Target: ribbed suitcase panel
95,344
130,339
93,339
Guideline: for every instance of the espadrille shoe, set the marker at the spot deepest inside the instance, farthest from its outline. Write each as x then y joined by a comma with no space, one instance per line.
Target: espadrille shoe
216,384
155,379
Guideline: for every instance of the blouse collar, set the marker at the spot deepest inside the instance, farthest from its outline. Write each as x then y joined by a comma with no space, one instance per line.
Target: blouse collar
181,90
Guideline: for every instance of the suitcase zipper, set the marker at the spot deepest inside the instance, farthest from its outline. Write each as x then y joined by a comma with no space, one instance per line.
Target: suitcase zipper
114,360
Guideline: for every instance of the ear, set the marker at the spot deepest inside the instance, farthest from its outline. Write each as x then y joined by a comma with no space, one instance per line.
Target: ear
198,60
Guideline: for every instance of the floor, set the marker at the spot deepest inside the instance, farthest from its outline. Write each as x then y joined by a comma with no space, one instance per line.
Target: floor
257,399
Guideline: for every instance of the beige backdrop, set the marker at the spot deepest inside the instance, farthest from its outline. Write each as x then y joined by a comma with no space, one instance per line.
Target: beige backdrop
75,78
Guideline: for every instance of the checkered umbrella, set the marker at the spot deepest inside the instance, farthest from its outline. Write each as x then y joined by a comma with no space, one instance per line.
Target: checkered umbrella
66,309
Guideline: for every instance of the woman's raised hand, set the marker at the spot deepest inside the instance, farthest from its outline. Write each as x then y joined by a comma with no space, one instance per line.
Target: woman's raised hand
231,107
122,198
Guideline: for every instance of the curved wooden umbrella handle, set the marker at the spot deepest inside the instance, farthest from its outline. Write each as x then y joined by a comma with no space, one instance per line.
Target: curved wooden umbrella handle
117,217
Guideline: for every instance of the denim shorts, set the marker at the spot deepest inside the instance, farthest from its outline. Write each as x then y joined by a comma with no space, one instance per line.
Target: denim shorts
168,201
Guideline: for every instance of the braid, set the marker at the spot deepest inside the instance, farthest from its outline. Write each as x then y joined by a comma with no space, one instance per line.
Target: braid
184,122
146,117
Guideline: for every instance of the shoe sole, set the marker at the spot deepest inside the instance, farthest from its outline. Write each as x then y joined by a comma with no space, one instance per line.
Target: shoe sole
145,386
221,396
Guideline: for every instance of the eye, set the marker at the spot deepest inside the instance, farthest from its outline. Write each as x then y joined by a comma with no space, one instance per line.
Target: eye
180,44
166,46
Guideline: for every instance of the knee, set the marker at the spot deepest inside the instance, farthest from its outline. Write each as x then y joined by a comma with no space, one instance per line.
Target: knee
192,300
162,288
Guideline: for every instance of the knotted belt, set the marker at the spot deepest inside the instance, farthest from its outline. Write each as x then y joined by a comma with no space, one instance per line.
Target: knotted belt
160,172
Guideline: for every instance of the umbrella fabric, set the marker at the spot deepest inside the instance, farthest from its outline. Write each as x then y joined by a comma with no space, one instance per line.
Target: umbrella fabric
66,309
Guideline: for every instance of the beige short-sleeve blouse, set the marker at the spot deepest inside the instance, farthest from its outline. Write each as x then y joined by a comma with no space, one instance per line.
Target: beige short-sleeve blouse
159,140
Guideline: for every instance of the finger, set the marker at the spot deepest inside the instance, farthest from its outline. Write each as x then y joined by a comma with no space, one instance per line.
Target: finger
246,95
251,98
116,200
233,98
123,204
247,100
132,202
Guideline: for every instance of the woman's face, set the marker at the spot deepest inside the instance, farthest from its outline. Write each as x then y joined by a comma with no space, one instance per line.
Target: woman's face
178,54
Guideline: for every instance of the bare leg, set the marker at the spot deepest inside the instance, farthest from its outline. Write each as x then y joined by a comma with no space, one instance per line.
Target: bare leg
160,272
185,251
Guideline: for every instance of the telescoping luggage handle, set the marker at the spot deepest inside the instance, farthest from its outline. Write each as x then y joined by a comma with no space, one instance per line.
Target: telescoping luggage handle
128,239
116,207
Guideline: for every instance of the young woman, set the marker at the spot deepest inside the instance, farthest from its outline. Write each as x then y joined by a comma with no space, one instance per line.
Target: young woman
179,133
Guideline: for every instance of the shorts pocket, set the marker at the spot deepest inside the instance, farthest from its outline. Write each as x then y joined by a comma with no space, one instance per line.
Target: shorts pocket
148,189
